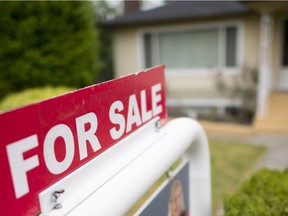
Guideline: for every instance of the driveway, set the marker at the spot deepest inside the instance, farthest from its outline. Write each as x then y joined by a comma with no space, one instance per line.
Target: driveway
276,156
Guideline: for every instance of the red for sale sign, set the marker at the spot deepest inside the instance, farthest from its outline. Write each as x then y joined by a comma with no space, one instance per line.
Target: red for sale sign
43,142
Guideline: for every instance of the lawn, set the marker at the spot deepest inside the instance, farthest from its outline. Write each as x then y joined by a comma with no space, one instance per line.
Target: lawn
231,163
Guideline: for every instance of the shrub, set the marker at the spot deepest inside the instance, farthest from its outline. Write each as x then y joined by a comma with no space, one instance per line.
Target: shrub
47,43
31,95
243,87
264,194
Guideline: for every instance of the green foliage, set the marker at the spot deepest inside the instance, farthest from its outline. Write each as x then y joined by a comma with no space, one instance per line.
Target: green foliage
243,87
29,96
104,12
264,194
47,43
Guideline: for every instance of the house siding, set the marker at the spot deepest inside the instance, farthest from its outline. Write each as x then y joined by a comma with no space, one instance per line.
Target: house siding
251,41
125,49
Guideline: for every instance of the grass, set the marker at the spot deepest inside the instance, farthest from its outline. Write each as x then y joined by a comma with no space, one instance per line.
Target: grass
231,163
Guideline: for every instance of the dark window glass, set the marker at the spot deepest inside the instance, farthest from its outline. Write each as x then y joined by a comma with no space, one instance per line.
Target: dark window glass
231,34
285,44
148,50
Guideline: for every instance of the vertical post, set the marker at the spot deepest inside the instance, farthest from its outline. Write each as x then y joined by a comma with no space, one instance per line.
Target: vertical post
199,173
265,49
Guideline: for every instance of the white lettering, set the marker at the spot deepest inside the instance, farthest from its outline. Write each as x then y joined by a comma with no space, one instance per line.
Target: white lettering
53,165
118,119
133,115
156,98
89,135
20,166
146,115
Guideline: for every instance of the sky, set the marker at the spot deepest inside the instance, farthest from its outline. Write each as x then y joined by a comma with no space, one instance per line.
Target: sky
148,4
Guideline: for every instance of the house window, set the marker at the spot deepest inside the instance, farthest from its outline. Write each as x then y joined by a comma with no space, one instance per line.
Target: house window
195,48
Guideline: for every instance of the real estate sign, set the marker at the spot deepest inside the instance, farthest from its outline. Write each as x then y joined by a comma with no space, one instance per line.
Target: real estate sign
44,142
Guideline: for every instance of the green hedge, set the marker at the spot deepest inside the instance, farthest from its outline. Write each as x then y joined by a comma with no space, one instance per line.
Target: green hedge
265,194
47,43
29,96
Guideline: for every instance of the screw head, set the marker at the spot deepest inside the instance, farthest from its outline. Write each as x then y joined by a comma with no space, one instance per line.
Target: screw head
58,206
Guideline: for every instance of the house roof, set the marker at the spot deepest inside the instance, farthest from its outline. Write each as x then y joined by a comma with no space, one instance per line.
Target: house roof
180,10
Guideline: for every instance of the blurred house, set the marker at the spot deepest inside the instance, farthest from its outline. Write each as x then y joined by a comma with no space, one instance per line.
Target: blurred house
200,40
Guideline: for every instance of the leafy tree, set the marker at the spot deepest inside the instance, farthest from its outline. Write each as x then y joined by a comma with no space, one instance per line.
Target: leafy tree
47,43
104,11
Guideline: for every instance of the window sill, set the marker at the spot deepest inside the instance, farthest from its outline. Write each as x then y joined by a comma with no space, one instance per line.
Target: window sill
203,71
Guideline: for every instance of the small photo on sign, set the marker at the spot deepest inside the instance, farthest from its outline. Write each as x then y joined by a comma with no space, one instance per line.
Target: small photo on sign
176,206
171,198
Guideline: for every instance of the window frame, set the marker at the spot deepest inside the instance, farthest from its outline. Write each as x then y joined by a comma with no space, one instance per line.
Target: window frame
221,68
284,54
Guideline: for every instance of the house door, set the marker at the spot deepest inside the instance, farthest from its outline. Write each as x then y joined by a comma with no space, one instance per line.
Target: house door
283,75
